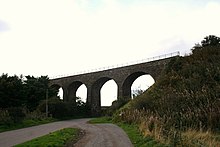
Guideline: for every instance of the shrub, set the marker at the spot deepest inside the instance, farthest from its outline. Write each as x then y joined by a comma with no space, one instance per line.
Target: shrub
34,115
57,108
5,118
117,104
16,114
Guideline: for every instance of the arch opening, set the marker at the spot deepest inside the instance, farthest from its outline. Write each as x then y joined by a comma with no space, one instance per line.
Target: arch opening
81,93
60,93
58,90
76,91
109,93
141,84
96,93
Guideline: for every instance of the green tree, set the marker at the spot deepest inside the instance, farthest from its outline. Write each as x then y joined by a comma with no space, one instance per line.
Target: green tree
210,40
18,91
35,90
11,91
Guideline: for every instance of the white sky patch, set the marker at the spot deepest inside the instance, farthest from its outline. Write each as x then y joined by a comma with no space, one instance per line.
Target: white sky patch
55,37
82,92
109,93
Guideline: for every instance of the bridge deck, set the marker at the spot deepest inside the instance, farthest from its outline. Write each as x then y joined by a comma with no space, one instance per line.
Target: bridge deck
160,57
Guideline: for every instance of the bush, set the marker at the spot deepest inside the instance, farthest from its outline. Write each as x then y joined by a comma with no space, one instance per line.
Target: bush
117,104
5,118
16,114
61,110
34,115
57,108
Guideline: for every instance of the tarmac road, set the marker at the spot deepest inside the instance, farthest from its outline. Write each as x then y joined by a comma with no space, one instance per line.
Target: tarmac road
97,135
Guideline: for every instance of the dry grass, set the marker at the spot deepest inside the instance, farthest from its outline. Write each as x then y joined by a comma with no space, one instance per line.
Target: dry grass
184,104
159,128
200,138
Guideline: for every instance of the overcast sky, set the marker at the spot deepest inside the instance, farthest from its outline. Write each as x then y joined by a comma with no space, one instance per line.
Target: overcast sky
59,37
55,37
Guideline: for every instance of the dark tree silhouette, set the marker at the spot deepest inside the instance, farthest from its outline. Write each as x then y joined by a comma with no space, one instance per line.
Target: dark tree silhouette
210,40
16,92
11,91
35,90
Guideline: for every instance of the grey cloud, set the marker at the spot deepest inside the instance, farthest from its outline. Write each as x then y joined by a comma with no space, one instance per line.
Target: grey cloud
3,26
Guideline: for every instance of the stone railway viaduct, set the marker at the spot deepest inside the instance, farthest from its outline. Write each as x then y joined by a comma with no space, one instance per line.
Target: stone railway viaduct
123,76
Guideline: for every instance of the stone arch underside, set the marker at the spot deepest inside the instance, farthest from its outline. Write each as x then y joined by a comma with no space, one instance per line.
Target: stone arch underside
126,87
72,88
96,95
55,87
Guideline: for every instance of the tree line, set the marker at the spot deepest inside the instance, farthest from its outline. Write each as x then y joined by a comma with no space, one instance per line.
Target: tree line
22,95
23,91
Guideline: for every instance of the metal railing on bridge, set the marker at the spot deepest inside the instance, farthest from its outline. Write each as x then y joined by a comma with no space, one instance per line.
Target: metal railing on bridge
121,65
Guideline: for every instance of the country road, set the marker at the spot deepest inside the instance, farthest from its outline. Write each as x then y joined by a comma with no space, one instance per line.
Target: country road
98,135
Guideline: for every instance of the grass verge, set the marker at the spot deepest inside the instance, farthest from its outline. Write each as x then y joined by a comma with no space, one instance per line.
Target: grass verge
133,133
25,123
101,120
66,136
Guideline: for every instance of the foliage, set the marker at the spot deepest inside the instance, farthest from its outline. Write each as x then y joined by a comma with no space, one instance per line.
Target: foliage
16,114
18,117
11,91
5,118
30,92
117,104
137,138
19,91
81,108
11,116
56,107
200,138
210,40
60,109
191,85
6,126
185,98
101,120
137,92
55,139
34,115
159,128
35,90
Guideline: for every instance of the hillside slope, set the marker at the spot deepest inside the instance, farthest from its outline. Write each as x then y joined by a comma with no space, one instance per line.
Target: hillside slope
189,85
186,97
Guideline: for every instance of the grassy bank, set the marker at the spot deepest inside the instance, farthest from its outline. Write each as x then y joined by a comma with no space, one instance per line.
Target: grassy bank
24,124
101,120
67,136
182,108
132,131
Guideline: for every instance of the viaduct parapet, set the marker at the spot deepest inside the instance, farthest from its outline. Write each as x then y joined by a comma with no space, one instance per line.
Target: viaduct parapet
123,77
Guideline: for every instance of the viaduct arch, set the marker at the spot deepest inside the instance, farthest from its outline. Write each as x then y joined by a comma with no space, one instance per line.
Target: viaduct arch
123,77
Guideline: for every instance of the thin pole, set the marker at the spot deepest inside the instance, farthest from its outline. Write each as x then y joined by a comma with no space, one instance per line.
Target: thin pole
47,103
